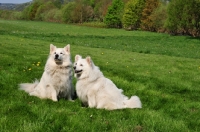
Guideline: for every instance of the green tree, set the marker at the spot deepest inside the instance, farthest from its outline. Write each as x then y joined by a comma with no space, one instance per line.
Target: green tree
43,10
159,17
132,14
30,11
184,17
68,12
114,14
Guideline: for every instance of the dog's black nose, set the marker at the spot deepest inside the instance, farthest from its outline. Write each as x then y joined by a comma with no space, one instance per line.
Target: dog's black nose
74,67
56,56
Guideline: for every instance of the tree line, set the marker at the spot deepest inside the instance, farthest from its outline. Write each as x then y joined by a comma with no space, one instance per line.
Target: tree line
177,17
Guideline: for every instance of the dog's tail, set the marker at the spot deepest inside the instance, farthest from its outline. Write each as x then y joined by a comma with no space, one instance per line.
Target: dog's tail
28,87
133,102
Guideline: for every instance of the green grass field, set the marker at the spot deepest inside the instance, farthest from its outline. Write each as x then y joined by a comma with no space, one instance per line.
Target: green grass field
163,70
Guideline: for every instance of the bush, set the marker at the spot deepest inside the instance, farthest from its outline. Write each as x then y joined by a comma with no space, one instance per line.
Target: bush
53,15
146,19
17,15
30,11
75,12
114,14
11,15
67,12
132,14
184,17
5,14
158,18
43,10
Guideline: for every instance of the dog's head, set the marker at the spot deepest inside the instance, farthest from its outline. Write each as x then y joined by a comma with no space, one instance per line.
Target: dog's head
82,66
59,54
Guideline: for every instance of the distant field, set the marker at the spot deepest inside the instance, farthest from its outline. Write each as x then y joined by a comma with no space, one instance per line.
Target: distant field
163,70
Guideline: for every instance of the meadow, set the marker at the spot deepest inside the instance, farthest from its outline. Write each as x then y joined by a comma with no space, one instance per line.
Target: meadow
163,70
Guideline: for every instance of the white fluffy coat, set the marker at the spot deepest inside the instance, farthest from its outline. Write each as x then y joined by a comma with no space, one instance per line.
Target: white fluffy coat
56,80
96,91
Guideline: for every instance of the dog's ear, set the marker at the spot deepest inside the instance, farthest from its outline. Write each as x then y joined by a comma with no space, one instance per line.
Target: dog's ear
89,61
77,57
67,48
52,48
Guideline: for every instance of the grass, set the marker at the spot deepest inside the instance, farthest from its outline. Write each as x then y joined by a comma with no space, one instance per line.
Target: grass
163,70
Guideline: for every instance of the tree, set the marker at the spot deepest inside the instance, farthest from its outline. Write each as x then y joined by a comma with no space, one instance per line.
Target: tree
132,14
32,10
100,9
114,14
159,17
43,10
146,19
67,12
184,17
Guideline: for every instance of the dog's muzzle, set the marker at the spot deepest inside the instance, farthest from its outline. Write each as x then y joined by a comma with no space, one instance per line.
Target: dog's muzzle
56,58
78,71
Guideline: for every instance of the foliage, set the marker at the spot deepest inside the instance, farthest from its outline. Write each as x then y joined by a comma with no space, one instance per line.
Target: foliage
181,17
43,9
184,17
114,14
5,14
82,13
68,12
53,15
146,19
159,17
100,9
30,11
165,75
132,14
12,15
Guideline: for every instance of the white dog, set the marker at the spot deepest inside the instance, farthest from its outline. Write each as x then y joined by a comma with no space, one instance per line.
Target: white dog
56,81
96,91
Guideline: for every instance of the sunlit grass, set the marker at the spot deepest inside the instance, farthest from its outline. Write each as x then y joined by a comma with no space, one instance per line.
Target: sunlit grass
163,70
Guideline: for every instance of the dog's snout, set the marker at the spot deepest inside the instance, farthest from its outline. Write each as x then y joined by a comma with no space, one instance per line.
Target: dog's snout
74,67
56,56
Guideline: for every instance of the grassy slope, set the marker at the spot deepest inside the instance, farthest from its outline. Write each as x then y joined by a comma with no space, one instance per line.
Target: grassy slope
164,71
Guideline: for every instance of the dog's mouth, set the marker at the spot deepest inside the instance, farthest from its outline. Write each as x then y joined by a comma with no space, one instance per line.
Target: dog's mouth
57,60
78,71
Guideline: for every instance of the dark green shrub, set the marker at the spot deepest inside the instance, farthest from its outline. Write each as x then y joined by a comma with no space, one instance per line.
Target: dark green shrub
114,14
30,11
184,17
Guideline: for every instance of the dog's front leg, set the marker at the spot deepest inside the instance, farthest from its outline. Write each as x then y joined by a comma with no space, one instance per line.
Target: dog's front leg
92,100
54,95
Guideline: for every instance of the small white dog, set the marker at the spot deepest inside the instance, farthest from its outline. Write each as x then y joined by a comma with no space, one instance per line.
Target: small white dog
96,91
56,81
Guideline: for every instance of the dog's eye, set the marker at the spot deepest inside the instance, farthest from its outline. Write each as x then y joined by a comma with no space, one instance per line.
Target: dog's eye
75,63
61,53
54,52
81,64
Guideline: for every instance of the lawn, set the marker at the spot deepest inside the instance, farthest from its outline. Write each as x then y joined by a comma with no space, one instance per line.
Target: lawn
163,70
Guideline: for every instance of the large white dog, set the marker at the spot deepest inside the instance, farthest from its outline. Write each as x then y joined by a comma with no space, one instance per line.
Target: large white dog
56,81
96,91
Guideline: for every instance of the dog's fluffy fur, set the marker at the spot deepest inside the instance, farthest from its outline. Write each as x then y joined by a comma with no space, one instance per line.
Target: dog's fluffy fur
96,91
56,81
